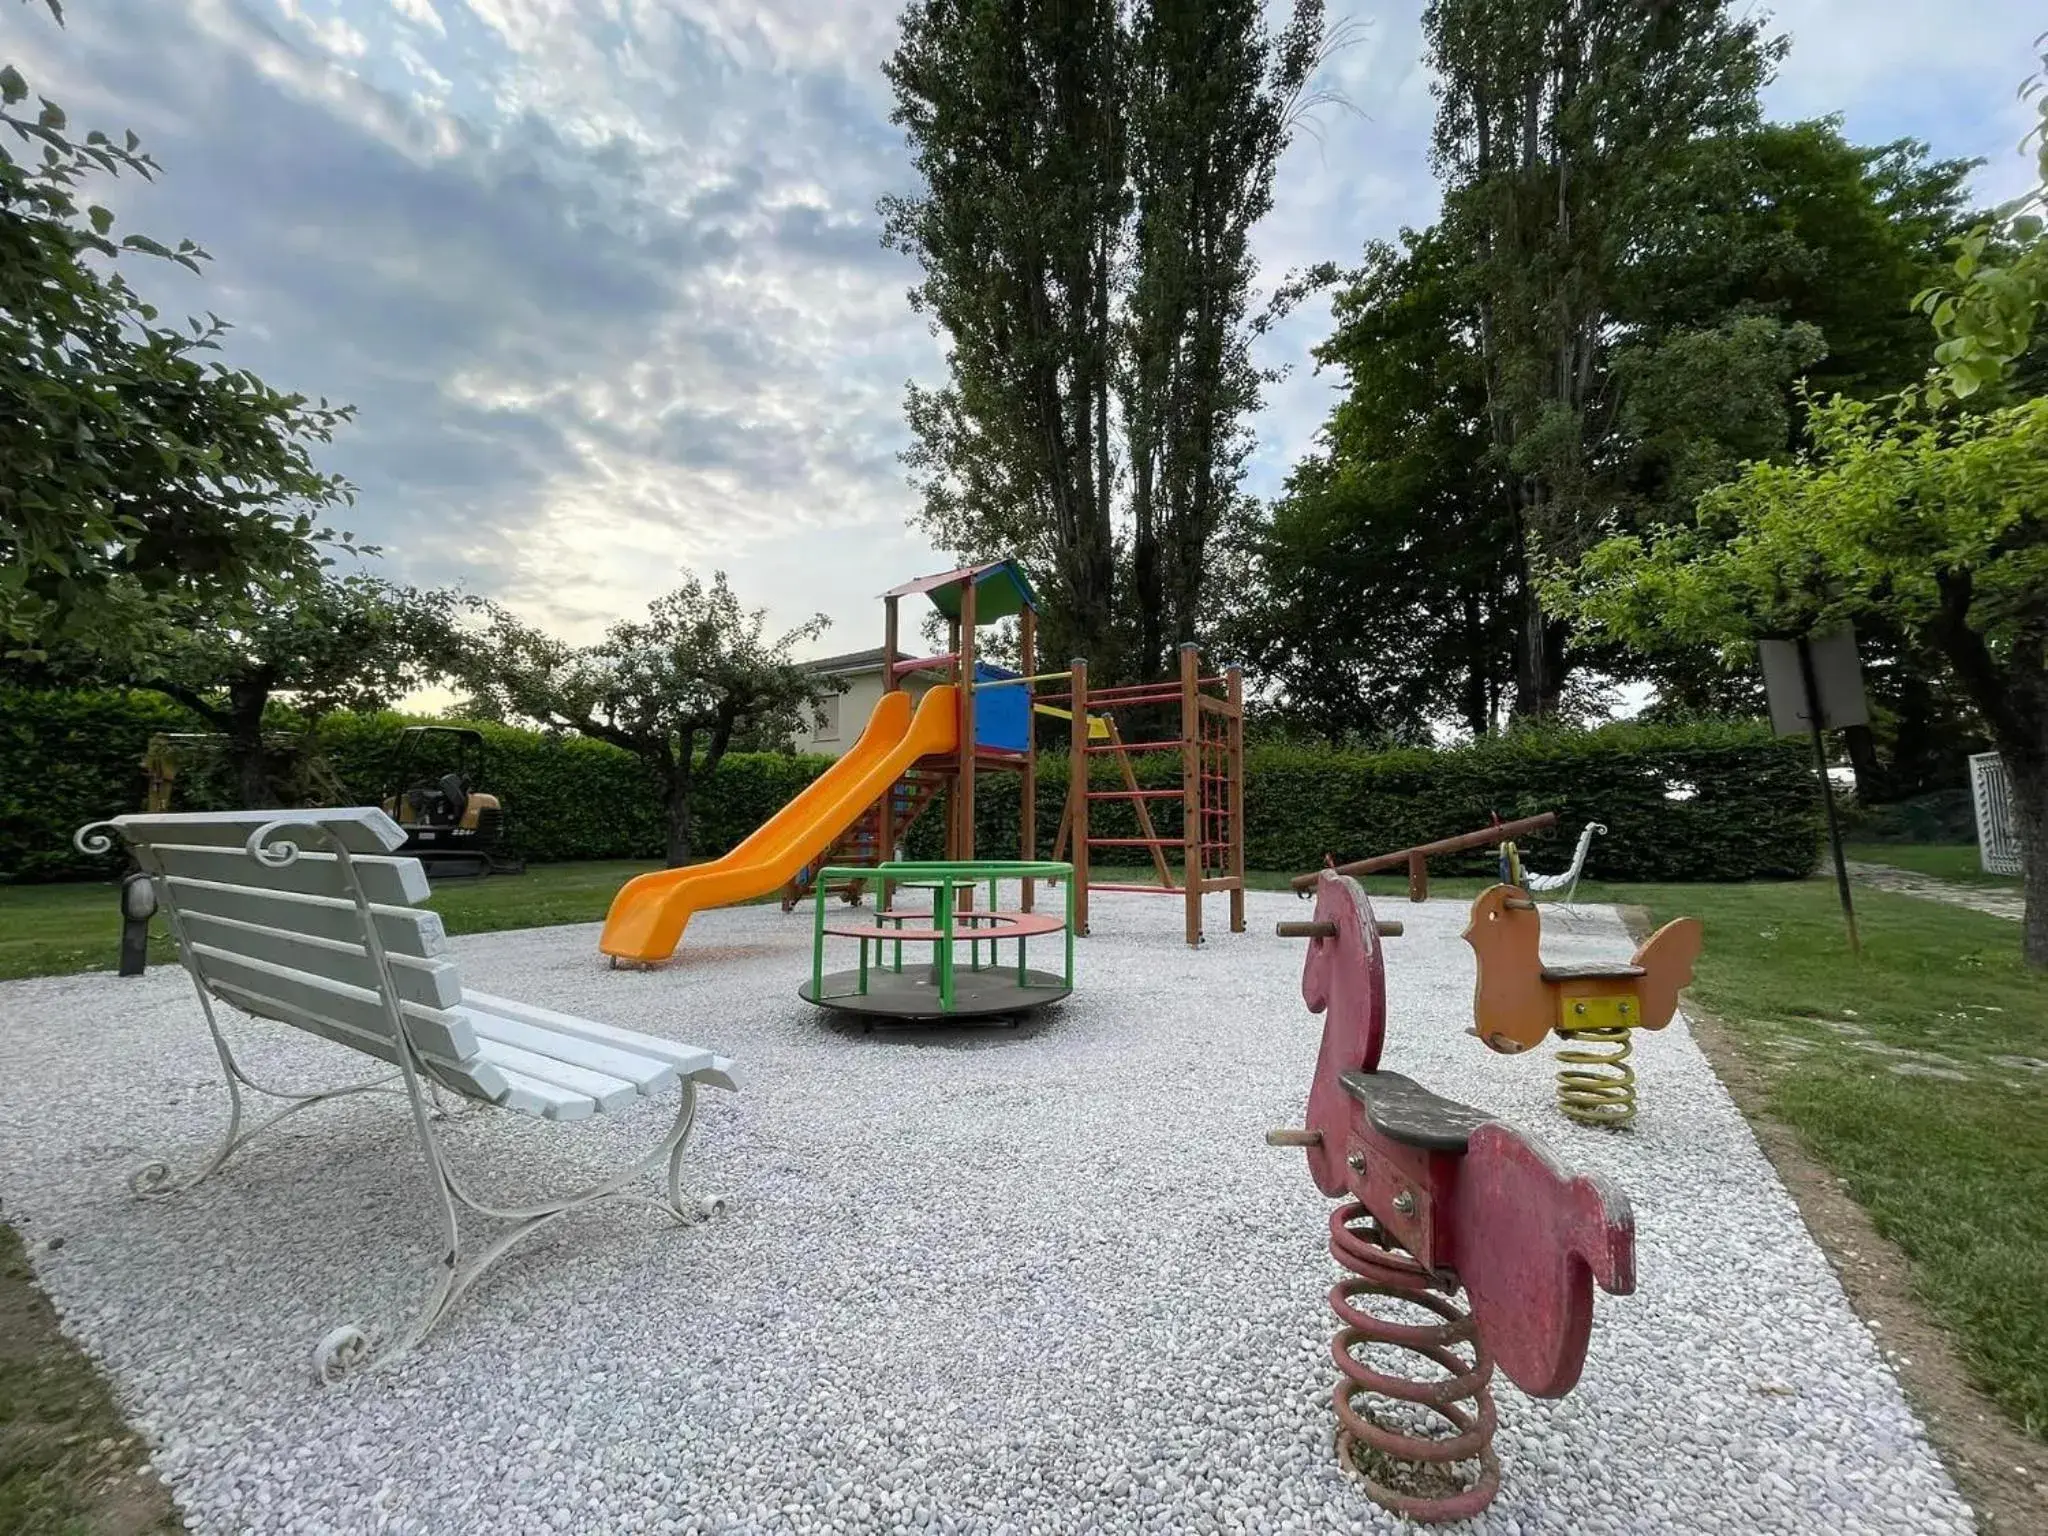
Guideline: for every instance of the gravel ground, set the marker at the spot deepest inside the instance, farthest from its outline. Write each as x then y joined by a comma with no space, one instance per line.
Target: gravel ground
1032,1280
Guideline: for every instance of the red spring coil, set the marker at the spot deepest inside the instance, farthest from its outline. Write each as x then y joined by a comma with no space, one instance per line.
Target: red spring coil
1463,1397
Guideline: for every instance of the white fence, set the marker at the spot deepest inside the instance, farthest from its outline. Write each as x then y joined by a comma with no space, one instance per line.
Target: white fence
1996,846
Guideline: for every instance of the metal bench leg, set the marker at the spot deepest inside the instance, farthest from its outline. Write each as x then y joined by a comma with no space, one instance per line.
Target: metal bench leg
347,1349
156,1177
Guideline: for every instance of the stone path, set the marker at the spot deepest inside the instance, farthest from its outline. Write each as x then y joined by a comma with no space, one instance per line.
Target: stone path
1980,898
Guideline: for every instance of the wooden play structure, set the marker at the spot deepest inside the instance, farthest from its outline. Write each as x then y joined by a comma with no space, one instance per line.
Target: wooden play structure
993,733
1593,1009
1210,744
1437,1196
1416,859
1204,857
917,756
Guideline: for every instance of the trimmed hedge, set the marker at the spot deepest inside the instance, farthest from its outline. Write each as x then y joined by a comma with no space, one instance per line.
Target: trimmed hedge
67,759
1748,806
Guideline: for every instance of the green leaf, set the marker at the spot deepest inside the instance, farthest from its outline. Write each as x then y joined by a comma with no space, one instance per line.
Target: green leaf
102,219
12,87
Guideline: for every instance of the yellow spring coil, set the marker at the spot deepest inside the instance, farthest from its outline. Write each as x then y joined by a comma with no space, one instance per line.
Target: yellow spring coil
1596,1085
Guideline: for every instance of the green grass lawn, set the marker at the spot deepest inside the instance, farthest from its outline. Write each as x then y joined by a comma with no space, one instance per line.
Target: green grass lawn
52,930
1954,1170
1944,861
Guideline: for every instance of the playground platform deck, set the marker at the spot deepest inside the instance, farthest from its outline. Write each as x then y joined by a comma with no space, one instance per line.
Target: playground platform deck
971,1280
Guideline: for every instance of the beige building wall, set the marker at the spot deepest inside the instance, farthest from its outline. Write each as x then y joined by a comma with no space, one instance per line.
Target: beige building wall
847,715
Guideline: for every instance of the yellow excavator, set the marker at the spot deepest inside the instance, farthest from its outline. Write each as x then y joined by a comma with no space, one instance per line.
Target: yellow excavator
452,825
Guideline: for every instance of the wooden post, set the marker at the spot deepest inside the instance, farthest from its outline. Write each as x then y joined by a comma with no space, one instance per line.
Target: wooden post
1191,790
1418,877
1234,681
1027,788
964,665
1077,795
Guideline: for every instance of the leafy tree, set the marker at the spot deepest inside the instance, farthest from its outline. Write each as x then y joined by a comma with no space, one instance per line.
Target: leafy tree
1014,115
1381,595
1936,526
1212,98
324,644
1557,121
1987,321
128,458
1393,569
696,673
1092,171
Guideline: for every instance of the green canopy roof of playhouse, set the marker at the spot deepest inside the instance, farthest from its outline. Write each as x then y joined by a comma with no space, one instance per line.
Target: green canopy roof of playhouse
1000,589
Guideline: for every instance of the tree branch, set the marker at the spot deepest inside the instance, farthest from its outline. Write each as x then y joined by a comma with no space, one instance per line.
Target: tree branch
220,719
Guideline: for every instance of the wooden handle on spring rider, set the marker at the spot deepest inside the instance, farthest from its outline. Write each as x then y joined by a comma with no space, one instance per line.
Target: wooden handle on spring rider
1294,1138
1325,930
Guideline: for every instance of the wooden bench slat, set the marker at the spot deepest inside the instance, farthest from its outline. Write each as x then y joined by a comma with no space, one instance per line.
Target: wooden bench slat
446,1037
434,983
410,931
475,1079
543,1100
688,1060
359,829
264,1006
649,1074
387,881
609,1093
286,942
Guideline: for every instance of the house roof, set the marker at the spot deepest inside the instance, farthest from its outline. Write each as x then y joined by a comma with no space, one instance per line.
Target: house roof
851,661
1000,589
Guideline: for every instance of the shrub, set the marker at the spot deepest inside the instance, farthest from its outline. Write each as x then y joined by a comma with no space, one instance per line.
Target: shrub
1681,802
1692,802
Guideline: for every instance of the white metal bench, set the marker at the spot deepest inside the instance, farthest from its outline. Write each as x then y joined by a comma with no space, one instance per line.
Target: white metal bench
304,917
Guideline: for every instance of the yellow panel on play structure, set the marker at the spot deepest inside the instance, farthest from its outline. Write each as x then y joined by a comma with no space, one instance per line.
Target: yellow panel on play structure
1098,727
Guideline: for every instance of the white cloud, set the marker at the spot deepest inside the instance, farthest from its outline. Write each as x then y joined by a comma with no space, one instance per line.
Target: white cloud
604,275
1942,70
331,34
422,13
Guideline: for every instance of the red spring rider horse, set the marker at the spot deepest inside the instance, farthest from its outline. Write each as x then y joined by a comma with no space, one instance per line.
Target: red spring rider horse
1438,1196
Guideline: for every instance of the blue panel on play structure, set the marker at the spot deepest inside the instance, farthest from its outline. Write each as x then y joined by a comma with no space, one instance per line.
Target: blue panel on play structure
1002,716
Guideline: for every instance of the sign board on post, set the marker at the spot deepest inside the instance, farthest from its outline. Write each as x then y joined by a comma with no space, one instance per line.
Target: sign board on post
1837,677
1815,684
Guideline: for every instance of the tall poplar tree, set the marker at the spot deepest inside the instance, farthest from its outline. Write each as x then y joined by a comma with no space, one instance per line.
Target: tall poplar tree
1013,109
1211,103
1092,171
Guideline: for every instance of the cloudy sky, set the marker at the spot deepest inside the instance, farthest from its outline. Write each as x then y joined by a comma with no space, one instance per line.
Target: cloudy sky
603,276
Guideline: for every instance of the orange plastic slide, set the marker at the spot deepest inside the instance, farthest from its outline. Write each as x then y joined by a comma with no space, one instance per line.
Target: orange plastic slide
649,913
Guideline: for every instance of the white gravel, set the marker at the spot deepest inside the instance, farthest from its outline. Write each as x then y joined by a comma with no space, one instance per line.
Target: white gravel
1008,1281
